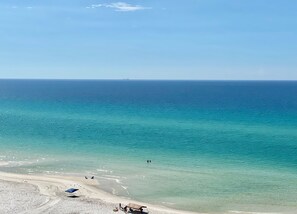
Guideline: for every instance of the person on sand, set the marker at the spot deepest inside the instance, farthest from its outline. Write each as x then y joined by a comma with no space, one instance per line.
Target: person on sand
124,209
115,209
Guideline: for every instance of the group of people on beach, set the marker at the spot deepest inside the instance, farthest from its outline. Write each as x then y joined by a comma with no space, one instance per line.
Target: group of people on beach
124,209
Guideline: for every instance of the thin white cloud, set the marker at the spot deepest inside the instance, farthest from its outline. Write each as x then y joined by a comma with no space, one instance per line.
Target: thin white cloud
27,7
120,6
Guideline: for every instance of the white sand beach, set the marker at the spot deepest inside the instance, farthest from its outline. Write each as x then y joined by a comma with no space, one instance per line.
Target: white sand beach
34,194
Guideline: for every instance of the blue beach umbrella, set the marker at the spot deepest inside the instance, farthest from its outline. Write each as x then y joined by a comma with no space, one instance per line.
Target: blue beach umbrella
71,190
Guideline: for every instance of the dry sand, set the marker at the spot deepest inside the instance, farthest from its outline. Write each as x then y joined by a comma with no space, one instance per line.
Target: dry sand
34,194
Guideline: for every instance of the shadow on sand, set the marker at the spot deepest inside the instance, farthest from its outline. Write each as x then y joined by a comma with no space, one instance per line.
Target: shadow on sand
136,212
73,196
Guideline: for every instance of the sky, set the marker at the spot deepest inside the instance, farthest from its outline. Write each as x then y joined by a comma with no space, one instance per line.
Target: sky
149,39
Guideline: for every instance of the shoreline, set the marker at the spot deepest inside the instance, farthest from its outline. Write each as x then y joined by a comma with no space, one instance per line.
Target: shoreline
52,187
46,194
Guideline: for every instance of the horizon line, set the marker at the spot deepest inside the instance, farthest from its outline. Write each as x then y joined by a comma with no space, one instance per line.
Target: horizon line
135,79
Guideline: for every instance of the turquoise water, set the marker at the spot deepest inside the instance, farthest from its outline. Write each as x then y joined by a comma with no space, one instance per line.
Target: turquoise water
215,146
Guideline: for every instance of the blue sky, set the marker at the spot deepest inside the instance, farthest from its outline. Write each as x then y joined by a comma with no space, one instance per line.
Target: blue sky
149,39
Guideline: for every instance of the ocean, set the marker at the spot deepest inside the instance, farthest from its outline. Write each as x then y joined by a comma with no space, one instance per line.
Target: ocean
214,146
